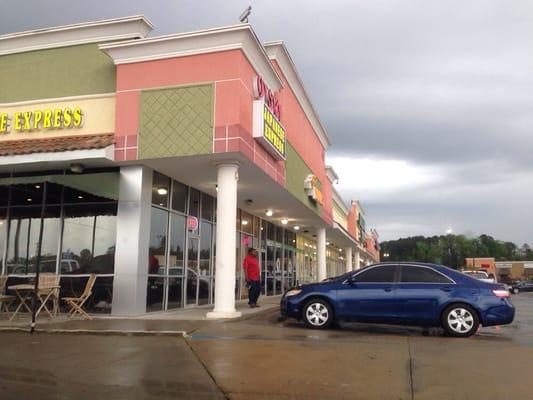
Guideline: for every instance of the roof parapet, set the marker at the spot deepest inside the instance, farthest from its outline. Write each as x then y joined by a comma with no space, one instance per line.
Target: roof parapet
124,28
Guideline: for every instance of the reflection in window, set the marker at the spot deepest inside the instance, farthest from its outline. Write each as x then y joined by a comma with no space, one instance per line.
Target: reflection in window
176,262
206,233
207,207
179,197
3,236
158,242
160,189
24,241
89,234
194,202
157,260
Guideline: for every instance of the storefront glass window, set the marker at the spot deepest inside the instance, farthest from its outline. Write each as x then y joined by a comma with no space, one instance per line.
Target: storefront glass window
156,260
207,207
75,205
179,197
160,190
206,234
176,272
89,234
247,223
194,203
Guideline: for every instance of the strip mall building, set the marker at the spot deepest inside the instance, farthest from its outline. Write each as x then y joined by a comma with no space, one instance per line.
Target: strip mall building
159,161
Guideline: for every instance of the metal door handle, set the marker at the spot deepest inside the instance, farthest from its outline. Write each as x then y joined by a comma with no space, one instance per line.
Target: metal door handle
388,289
446,289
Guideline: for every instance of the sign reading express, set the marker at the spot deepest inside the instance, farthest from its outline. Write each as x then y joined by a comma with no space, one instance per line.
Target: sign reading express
47,119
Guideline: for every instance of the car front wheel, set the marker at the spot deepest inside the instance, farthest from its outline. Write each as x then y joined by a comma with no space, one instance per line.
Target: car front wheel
460,320
317,314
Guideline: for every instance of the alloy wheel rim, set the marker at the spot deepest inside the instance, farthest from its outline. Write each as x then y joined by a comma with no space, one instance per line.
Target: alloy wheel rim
460,320
317,314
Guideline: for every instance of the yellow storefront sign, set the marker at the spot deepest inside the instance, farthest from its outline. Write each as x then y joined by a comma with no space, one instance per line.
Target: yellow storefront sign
268,130
41,119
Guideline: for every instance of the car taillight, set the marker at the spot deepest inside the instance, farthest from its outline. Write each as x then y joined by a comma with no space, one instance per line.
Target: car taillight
501,293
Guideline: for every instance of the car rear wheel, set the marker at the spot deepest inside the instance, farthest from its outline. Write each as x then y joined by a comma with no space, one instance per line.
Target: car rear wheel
317,314
460,320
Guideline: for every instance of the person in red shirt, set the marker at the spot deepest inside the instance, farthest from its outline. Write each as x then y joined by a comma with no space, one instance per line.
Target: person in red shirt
252,276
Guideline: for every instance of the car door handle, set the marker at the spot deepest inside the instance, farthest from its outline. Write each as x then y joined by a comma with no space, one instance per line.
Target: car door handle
446,289
387,289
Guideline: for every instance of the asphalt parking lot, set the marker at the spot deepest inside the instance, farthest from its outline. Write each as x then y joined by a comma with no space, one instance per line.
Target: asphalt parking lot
261,358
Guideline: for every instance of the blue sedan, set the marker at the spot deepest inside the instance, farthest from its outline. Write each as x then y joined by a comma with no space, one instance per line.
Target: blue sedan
402,293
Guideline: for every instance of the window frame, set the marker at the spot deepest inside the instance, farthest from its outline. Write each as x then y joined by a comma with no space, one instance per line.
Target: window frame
450,280
394,281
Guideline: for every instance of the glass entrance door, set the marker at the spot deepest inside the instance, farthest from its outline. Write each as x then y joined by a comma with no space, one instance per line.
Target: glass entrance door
192,272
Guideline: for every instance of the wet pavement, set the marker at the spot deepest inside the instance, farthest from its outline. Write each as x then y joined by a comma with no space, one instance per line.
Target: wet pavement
261,358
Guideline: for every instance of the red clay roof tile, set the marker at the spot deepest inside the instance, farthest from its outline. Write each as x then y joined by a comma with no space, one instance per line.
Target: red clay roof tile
55,144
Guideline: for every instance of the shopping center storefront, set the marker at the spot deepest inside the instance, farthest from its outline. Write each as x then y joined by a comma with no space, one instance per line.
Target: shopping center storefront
156,163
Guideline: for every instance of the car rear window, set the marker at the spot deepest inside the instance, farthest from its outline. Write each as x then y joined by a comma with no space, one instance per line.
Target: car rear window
377,275
413,274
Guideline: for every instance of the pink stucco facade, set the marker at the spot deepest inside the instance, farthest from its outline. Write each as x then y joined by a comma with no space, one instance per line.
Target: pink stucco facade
232,76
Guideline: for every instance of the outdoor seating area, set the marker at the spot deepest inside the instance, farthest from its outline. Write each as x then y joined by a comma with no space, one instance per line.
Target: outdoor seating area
16,300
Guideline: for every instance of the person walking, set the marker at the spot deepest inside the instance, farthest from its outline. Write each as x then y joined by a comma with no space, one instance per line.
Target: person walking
252,276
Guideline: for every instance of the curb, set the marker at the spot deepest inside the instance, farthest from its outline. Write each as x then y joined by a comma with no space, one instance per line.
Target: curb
109,332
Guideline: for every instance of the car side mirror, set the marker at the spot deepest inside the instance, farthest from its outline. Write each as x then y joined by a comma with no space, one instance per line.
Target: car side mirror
351,280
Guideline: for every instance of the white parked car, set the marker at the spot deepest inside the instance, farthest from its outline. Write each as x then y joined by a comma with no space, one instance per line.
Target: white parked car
480,275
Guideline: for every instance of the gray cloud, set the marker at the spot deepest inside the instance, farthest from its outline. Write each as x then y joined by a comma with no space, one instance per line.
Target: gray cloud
442,85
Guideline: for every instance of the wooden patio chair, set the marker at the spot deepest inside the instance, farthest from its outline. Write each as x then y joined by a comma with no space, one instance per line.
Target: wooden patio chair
50,280
76,303
5,300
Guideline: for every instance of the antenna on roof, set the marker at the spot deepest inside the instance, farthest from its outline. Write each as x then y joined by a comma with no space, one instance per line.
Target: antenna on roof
245,14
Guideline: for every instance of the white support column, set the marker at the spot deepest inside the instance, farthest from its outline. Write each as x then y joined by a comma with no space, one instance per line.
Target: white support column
132,241
226,230
321,253
357,260
348,255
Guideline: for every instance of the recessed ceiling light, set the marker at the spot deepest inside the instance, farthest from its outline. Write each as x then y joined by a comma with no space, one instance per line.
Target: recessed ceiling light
284,221
37,186
244,222
80,197
269,213
296,228
29,200
162,191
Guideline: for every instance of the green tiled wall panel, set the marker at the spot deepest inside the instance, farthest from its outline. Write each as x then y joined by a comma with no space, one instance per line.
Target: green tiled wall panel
176,121
67,71
296,170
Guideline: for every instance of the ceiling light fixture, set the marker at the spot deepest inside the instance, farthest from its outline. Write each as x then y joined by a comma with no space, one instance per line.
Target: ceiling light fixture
244,222
77,168
162,191
80,197
37,186
296,228
269,213
284,221
29,199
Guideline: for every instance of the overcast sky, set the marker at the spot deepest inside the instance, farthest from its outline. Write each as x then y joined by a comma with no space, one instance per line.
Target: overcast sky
429,103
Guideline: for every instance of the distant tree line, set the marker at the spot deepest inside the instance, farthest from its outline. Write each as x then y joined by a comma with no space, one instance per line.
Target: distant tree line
451,250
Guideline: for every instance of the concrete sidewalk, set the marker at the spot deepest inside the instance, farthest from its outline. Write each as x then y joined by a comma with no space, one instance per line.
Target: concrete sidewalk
179,322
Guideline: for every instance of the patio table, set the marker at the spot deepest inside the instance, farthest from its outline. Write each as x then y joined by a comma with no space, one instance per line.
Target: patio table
21,291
